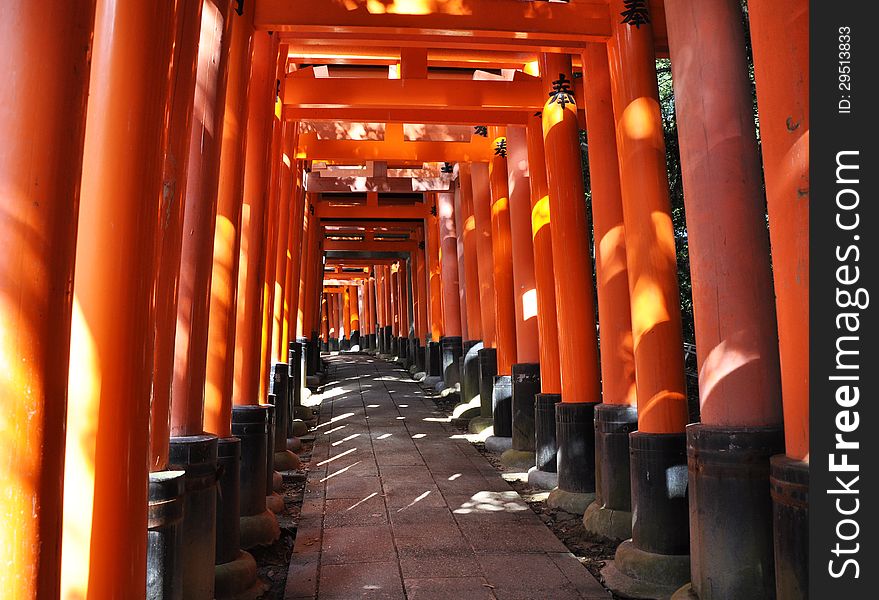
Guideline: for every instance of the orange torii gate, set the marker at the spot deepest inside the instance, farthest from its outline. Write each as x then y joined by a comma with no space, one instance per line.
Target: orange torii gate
174,269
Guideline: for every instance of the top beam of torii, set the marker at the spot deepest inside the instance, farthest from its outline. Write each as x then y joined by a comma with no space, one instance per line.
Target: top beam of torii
473,24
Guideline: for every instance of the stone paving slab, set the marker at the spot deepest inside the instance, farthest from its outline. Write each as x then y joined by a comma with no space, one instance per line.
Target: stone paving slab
395,506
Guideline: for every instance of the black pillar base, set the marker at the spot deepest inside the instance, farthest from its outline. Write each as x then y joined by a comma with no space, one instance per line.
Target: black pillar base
502,406
297,381
280,387
731,511
434,360
545,445
487,358
314,357
370,342
356,340
228,500
344,344
197,456
660,504
324,347
389,336
380,341
250,424
165,536
403,349
526,385
394,349
419,355
610,516
789,486
470,372
451,349
575,436
655,562
334,344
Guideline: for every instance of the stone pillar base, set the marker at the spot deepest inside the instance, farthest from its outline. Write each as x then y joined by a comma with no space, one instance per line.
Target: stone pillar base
570,502
636,573
259,530
498,444
607,523
286,461
237,579
517,459
542,480
275,503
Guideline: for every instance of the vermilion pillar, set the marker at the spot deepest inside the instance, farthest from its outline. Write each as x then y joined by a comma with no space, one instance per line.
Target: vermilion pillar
502,255
45,61
294,250
448,247
614,312
467,232
396,305
270,227
251,259
570,241
740,395
227,236
541,237
435,270
354,293
200,216
617,415
285,208
324,319
660,526
780,43
346,310
105,542
781,50
405,323
482,218
650,250
459,239
181,87
524,288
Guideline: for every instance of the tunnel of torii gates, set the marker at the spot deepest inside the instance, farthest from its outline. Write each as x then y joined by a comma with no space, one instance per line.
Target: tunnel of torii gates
202,196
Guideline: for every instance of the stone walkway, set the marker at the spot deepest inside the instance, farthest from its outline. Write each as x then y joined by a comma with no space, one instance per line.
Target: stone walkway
398,505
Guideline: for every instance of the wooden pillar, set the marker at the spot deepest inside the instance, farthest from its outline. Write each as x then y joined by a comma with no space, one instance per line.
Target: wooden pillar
448,247
405,324
650,249
467,235
524,286
354,292
614,311
435,271
502,255
372,308
729,249
268,255
421,295
105,524
252,255
293,255
482,218
199,221
780,41
345,295
227,235
324,319
459,247
46,47
179,111
278,281
570,238
541,237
